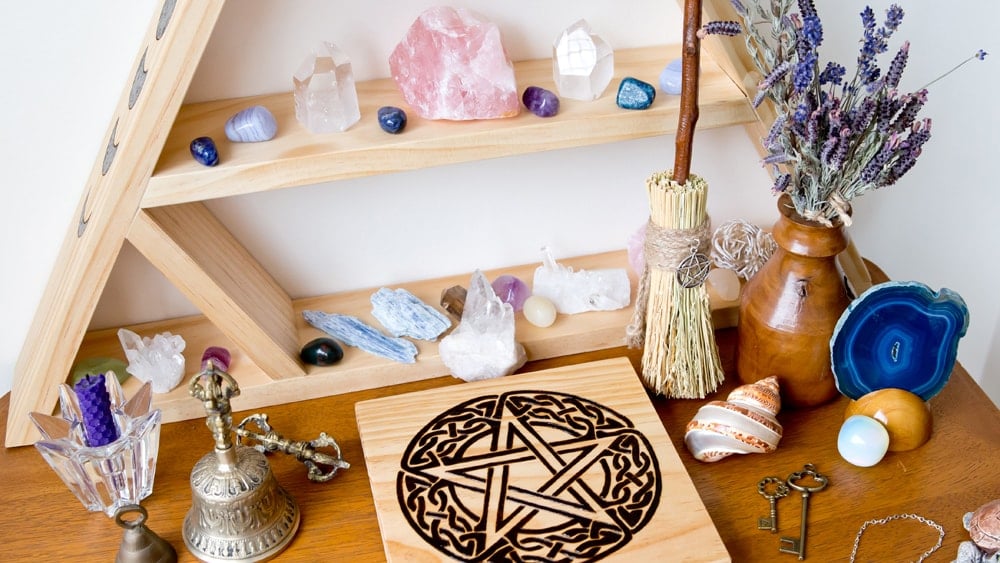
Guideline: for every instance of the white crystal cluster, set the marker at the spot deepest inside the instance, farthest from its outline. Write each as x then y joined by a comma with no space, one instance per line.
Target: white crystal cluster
586,290
158,360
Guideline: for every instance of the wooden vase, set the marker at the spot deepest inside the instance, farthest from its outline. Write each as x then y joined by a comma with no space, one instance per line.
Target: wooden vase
789,308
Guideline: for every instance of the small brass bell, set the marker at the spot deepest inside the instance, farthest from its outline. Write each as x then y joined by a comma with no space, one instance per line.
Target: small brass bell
239,512
139,543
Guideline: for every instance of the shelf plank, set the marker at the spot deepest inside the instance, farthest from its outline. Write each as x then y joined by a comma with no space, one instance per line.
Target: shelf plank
223,280
297,157
359,370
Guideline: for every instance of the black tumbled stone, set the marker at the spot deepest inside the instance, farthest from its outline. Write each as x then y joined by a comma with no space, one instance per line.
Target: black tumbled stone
321,352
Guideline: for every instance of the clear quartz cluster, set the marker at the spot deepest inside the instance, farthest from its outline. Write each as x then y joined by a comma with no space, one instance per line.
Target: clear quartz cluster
585,290
582,63
326,99
158,360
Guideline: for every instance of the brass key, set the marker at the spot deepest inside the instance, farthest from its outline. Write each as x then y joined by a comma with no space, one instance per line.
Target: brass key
772,495
797,546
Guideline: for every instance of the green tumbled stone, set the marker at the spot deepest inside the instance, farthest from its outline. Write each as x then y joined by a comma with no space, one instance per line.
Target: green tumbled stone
99,365
321,352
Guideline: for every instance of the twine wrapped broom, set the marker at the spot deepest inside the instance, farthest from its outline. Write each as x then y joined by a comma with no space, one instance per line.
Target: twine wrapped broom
672,318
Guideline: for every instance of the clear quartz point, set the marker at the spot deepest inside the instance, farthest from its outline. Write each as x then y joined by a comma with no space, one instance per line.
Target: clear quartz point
326,100
582,63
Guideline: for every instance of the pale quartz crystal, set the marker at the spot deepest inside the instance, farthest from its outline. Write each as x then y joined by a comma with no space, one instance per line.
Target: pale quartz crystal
326,100
158,360
582,63
482,346
586,290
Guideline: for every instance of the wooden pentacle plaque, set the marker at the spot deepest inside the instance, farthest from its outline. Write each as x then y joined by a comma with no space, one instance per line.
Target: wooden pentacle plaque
570,464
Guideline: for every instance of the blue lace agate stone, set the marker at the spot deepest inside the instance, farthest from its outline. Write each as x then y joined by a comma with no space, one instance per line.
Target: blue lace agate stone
901,335
251,125
670,78
635,94
203,150
391,119
354,332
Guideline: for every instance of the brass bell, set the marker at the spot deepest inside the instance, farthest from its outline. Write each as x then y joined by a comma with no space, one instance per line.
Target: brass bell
239,512
139,543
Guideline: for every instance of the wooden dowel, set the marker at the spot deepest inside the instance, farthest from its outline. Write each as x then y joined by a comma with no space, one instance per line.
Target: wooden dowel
690,63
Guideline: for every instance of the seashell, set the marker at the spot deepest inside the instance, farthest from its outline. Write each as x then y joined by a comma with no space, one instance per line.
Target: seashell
744,423
984,527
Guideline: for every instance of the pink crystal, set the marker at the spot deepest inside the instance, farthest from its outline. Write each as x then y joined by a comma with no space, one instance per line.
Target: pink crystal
219,356
452,65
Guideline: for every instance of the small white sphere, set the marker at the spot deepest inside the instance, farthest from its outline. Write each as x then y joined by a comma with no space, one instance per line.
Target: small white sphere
724,283
539,311
862,441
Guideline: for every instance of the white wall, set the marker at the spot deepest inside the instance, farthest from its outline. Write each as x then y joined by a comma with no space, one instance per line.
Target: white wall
70,63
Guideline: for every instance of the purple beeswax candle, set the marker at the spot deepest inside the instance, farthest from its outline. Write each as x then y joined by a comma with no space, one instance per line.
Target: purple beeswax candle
95,406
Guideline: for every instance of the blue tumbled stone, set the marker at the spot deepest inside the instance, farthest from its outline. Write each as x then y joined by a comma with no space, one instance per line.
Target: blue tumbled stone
635,94
540,101
670,78
251,125
321,352
391,119
203,150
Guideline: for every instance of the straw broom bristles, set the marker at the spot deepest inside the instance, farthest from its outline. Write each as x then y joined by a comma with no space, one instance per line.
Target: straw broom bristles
680,356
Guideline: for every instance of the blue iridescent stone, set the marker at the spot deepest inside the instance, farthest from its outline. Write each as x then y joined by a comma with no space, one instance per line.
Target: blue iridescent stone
900,335
321,352
203,150
251,125
540,101
635,94
391,119
670,78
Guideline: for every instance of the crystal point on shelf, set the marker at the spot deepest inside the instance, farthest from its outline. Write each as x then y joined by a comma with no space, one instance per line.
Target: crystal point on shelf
326,99
452,64
482,346
404,314
582,63
355,332
158,360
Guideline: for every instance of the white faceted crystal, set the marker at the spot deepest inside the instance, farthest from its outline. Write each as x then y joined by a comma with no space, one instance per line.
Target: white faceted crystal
158,360
326,100
587,290
582,63
482,346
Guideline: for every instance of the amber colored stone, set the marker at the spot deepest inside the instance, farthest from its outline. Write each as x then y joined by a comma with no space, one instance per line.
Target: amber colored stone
905,415
453,300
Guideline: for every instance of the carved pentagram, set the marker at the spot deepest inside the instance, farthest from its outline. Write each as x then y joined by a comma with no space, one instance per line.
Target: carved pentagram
528,476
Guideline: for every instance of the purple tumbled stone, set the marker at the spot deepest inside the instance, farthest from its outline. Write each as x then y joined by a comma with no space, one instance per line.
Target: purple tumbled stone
510,289
220,358
540,101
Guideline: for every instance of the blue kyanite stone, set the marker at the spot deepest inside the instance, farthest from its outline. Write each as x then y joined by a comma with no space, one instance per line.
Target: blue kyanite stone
540,101
321,352
203,150
670,78
635,94
391,119
404,314
251,125
354,332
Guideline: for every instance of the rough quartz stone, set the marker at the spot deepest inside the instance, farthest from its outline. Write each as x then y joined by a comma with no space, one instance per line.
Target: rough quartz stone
670,78
452,65
157,360
391,119
251,125
586,290
635,94
321,352
354,332
510,289
540,101
203,150
326,100
582,63
482,346
404,314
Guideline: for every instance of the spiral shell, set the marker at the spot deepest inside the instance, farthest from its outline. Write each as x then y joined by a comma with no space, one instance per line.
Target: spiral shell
984,527
744,423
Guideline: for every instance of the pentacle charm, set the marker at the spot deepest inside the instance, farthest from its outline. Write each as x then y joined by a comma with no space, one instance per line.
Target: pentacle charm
693,269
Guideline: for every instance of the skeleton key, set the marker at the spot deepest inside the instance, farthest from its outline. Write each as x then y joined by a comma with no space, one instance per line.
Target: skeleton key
772,496
797,546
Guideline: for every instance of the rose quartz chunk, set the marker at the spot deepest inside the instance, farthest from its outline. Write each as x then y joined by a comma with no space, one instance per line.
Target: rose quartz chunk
452,65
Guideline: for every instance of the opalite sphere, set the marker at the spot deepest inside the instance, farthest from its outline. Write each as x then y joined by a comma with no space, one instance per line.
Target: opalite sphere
670,78
539,311
540,101
905,416
862,441
510,289
724,284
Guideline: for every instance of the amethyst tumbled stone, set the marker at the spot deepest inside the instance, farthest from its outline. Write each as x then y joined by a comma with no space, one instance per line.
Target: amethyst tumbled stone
540,101
510,289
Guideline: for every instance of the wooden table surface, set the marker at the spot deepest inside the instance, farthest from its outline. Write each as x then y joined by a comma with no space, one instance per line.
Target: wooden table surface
955,472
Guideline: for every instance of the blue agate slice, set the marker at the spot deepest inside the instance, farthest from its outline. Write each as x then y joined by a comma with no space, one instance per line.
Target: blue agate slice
355,332
901,335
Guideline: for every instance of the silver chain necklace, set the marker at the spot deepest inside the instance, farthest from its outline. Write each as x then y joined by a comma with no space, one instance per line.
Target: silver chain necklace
887,519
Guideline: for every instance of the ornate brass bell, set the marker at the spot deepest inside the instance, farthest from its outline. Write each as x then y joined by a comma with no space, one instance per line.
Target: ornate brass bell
239,512
139,543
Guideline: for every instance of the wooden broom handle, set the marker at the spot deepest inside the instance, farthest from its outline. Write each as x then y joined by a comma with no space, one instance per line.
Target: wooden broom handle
690,63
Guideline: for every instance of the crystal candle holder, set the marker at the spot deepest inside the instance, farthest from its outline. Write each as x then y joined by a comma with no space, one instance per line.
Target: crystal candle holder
108,477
